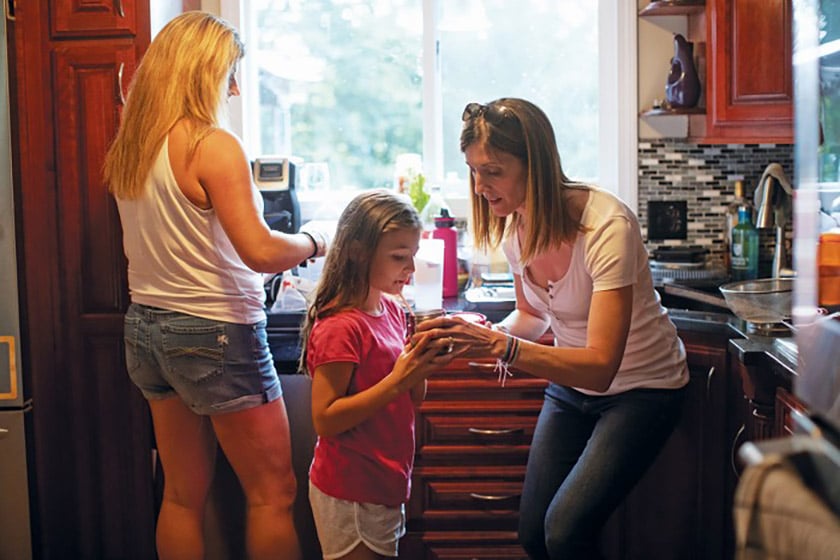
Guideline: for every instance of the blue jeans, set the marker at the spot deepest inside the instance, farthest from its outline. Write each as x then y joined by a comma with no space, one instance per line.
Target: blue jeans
586,455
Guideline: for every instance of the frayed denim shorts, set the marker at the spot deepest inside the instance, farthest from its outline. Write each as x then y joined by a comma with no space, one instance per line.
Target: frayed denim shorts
212,365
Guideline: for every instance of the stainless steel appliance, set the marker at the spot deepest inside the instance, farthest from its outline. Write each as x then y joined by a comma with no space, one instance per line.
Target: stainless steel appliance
15,402
276,177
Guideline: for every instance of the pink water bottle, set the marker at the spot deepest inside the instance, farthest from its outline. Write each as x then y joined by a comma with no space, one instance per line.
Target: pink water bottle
445,229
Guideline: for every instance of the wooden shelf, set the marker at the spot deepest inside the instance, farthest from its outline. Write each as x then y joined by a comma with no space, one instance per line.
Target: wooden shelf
672,112
672,8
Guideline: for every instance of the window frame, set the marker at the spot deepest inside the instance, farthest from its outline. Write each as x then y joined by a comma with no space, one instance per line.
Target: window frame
618,120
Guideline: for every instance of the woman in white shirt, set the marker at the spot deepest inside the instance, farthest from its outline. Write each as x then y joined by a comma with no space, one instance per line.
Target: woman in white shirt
617,367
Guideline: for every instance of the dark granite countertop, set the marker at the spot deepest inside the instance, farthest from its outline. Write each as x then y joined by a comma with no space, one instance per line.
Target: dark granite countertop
751,349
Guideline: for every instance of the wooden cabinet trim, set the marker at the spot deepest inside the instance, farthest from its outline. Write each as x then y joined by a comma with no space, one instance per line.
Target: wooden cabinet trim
93,18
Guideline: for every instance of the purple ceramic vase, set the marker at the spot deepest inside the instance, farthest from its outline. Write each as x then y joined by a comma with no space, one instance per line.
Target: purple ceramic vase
682,88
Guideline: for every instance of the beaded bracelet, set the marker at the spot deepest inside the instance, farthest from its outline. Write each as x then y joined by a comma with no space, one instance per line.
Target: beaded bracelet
508,358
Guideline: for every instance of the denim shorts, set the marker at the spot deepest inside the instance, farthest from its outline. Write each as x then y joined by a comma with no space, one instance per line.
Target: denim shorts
212,365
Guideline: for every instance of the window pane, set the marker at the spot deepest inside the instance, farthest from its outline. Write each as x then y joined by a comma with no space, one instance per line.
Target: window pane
340,82
545,51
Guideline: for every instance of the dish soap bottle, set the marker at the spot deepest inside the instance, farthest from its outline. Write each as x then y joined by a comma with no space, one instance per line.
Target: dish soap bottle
732,220
744,252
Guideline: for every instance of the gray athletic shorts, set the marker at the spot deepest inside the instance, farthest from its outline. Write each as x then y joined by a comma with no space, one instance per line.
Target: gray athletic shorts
342,525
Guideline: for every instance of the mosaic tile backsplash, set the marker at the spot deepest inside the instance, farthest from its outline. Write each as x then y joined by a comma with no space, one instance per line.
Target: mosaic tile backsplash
704,175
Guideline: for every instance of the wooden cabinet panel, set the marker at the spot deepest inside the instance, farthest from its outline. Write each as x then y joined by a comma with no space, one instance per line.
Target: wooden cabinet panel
750,71
786,403
462,545
479,497
473,437
682,506
87,80
476,429
90,18
92,473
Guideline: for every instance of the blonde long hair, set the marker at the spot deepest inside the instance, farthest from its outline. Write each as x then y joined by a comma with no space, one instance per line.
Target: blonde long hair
345,280
184,74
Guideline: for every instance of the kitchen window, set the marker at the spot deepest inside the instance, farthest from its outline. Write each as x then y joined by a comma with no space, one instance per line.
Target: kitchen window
356,83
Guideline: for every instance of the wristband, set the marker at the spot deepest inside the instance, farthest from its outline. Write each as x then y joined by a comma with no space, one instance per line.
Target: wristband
314,244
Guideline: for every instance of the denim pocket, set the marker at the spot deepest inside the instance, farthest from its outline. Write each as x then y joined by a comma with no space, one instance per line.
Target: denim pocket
194,348
131,337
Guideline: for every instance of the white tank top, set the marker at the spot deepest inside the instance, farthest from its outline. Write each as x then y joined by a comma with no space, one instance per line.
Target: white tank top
180,258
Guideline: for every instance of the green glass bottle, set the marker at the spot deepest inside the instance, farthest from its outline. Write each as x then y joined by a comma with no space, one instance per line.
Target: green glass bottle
744,250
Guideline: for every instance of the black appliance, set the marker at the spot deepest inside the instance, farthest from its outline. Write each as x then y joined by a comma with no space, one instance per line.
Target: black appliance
276,178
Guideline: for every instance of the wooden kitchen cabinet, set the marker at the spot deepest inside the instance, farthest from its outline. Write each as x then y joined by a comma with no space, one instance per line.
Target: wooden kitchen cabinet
749,90
473,437
91,481
786,404
682,506
743,51
472,445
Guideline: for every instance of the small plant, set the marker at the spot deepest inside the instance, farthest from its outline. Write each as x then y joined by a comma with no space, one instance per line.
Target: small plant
417,192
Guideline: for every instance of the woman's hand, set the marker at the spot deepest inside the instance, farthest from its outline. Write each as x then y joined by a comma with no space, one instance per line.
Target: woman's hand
470,339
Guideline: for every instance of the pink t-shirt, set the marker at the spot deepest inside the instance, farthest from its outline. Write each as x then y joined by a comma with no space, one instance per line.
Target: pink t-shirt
372,461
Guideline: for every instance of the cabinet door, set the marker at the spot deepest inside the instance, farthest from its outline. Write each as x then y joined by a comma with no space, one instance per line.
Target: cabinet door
679,508
103,406
750,74
89,18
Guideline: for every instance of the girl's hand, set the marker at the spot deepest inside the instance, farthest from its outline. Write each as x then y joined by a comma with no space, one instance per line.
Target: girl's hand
424,355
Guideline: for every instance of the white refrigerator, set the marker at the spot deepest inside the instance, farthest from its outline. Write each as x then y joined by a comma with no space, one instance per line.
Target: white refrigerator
15,403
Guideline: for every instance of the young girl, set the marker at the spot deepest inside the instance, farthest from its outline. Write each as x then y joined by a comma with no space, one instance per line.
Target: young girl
365,380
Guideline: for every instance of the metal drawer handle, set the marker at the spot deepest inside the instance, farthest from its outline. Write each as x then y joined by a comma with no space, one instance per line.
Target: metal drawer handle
734,450
492,497
120,83
709,377
500,432
3,432
479,365
120,8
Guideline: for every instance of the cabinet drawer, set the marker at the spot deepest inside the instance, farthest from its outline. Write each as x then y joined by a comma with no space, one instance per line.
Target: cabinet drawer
786,403
468,424
486,497
476,381
457,545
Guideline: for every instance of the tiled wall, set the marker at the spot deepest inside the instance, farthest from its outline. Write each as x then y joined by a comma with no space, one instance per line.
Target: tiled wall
704,176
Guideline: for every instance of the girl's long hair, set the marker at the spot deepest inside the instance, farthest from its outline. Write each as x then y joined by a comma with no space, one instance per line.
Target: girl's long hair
345,279
185,74
520,128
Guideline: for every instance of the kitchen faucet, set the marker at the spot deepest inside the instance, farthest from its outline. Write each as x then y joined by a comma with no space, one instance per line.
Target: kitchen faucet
773,200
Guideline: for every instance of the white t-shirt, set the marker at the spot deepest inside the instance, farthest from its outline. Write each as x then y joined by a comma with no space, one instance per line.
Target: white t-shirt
610,255
180,258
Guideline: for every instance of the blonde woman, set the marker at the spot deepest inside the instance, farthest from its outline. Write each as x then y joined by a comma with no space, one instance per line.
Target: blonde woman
195,333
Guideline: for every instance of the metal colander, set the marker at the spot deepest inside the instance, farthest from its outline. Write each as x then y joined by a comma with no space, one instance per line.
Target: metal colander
763,301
